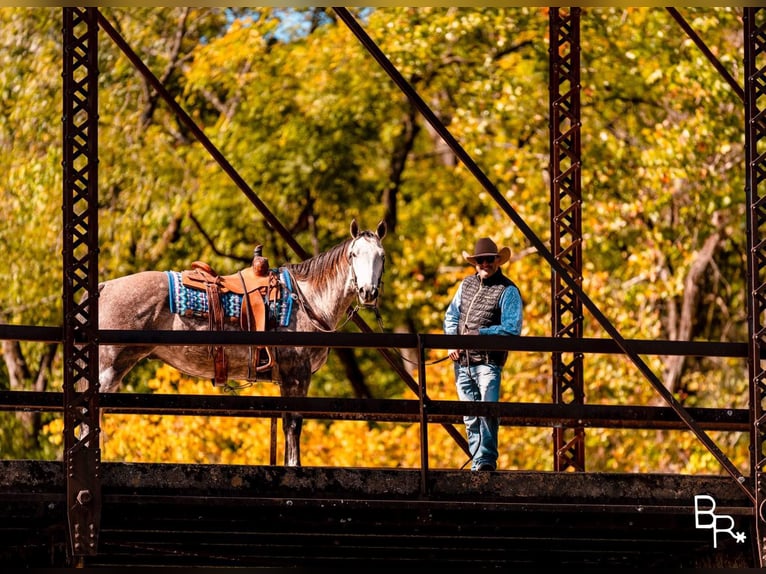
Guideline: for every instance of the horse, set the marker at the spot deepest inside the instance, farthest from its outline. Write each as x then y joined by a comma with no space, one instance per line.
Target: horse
322,290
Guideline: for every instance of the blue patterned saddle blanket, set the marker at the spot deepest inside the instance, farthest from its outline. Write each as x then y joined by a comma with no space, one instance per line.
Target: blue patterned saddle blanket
194,302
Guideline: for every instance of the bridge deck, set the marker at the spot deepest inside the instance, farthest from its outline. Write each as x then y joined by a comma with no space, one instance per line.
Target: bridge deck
272,516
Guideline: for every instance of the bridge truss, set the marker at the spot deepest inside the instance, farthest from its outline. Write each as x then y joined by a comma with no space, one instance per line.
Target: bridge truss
84,475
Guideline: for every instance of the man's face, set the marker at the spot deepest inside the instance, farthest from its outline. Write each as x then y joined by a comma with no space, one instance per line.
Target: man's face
486,266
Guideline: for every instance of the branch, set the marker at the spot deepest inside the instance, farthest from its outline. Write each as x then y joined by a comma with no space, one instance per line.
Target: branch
683,328
209,240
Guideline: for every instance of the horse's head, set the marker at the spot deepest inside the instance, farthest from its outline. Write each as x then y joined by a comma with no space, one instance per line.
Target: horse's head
367,259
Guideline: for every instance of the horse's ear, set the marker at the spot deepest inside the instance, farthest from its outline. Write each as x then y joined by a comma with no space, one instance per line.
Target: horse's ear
381,231
354,228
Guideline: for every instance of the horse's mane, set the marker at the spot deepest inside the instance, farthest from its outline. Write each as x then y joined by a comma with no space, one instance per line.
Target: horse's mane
319,266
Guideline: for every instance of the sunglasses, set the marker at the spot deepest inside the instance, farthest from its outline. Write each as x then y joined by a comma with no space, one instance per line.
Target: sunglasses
482,260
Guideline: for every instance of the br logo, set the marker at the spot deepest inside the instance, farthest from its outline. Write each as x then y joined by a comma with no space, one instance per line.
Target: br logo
706,518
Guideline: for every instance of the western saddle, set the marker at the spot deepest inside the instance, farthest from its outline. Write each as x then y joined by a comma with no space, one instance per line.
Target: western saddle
259,288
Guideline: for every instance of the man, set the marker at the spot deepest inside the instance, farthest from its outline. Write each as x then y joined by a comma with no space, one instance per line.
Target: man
485,303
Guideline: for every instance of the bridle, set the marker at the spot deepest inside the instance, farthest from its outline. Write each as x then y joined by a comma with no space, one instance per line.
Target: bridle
374,305
317,321
320,324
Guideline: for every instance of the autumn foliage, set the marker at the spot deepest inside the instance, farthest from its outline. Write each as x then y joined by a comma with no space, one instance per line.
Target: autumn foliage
320,132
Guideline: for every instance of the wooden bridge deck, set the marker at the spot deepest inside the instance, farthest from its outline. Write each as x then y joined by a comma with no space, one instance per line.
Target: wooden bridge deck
272,516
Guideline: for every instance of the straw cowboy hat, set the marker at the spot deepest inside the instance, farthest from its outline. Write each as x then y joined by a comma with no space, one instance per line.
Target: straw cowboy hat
486,247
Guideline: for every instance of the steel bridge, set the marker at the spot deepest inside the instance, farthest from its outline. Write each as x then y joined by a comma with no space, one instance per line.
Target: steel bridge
83,512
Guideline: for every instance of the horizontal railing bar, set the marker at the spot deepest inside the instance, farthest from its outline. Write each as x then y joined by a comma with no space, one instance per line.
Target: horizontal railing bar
586,345
386,340
390,410
31,333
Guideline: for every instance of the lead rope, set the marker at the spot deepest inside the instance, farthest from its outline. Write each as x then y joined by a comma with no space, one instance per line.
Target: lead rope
399,353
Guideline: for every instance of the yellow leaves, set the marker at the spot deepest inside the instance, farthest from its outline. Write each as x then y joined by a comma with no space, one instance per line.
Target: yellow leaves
188,439
54,431
671,451
526,379
654,76
359,444
245,440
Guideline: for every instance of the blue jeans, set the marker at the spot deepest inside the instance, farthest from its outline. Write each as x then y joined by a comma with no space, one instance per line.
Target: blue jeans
480,382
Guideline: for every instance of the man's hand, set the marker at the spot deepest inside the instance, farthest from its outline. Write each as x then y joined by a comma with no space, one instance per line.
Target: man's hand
454,354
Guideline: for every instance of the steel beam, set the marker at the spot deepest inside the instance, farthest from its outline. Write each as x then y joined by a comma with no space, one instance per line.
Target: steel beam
755,191
82,457
566,226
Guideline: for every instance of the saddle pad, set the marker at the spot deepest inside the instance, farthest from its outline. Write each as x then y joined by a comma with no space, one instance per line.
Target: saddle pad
185,301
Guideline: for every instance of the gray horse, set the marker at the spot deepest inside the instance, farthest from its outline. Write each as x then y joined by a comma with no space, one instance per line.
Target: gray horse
322,287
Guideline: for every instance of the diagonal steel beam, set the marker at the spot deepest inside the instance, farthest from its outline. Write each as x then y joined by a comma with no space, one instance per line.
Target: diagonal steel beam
708,54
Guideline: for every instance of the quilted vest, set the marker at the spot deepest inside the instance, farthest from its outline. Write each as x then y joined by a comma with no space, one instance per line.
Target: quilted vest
480,307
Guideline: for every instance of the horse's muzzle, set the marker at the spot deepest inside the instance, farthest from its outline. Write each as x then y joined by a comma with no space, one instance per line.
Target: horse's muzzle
368,294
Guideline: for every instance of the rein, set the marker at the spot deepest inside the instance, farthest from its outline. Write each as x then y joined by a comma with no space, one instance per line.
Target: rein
353,311
427,363
397,351
301,298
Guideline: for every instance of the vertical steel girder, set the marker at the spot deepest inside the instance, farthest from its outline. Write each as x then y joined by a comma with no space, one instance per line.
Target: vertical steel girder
566,226
755,186
82,456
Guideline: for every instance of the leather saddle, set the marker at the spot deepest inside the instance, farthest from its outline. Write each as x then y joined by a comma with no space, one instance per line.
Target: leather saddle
260,290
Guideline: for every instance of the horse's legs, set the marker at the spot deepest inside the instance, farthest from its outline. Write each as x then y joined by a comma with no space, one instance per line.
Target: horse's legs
294,382
114,362
292,423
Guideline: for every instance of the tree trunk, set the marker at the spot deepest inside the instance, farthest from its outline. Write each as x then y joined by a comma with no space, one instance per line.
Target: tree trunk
680,323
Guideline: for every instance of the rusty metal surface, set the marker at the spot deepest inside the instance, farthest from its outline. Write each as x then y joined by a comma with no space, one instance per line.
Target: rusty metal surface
80,254
389,340
566,226
755,190
266,516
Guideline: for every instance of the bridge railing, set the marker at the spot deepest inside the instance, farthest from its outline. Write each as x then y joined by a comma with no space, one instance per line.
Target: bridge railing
422,410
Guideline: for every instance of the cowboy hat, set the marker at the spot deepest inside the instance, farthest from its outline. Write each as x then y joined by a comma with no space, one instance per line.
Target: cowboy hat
485,247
